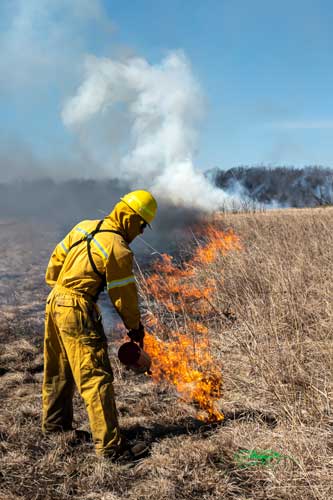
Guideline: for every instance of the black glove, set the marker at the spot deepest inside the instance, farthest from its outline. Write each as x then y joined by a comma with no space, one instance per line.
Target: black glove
137,335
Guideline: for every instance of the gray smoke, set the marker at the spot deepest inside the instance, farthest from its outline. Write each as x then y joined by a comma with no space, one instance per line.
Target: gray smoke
133,124
61,205
156,110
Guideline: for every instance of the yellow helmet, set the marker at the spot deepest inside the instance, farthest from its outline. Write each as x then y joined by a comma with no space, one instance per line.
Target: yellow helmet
143,203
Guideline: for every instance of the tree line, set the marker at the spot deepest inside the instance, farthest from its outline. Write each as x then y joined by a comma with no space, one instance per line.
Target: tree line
281,186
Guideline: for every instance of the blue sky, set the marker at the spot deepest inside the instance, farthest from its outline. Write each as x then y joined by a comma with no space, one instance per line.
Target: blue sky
264,67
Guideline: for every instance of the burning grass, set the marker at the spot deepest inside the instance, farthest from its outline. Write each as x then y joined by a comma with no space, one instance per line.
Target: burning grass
179,300
260,311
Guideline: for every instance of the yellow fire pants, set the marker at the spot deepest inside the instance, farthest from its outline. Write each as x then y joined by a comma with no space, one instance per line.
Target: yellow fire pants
75,353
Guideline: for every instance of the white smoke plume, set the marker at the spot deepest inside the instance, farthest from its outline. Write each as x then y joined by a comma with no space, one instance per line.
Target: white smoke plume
153,111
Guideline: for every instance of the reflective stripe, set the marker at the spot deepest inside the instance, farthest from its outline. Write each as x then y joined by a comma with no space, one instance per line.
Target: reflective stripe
119,283
97,243
104,252
64,247
82,231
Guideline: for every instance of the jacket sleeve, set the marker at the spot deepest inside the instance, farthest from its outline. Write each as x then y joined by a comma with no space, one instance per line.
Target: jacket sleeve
121,285
56,261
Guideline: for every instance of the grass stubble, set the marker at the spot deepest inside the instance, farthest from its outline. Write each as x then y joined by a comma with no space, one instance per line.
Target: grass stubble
275,347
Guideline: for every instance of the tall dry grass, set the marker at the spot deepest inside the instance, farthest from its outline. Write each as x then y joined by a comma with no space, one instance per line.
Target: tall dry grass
270,328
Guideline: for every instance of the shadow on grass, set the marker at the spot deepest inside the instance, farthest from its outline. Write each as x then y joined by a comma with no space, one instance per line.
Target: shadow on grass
188,426
193,426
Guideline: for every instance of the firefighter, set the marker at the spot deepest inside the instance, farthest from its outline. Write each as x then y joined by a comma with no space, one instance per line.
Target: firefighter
94,254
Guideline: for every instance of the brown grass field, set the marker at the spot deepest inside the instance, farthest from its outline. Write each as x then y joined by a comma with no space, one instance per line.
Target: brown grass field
270,327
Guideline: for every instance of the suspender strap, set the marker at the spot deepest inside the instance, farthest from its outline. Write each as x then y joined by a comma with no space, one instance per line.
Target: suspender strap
110,231
88,238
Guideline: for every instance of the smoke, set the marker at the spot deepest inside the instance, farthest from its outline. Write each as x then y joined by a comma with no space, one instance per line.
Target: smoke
156,110
42,42
63,204
135,121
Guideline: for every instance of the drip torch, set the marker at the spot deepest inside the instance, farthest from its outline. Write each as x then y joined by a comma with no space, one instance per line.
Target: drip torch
134,357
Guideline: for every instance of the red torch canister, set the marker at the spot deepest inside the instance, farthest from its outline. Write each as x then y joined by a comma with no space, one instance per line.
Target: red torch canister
134,358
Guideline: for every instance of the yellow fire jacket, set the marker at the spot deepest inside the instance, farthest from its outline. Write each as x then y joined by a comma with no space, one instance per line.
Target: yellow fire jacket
71,267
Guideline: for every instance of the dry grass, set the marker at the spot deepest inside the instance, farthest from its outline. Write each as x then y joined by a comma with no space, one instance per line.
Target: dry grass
276,351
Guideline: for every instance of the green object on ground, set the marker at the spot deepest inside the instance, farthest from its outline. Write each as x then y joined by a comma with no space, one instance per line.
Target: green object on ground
250,458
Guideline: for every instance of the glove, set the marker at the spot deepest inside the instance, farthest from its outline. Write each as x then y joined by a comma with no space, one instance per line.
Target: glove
137,335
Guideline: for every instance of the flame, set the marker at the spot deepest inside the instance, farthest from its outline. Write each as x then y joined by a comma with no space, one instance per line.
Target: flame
217,242
188,366
180,298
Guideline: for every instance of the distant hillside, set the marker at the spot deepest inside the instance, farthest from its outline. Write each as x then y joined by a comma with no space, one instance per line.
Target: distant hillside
278,186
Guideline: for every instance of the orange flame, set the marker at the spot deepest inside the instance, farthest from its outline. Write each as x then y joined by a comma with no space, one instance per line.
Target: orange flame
181,298
188,366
